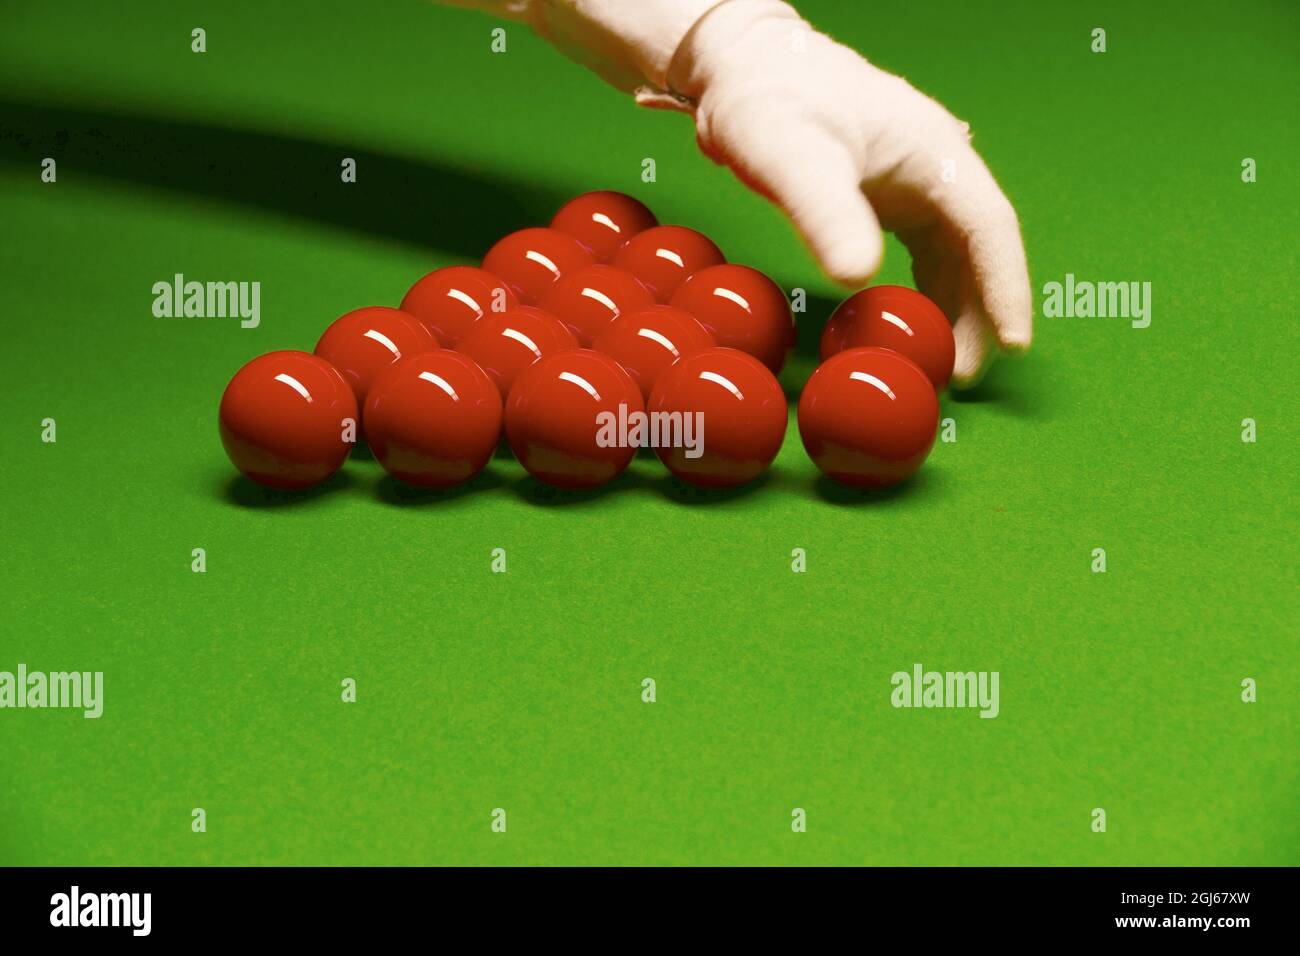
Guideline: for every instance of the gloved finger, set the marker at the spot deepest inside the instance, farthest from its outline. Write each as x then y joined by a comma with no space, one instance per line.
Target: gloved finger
976,348
977,209
943,274
811,176
936,268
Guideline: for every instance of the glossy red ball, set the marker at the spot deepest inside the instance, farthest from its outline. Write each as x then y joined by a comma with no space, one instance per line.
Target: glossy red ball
664,256
506,344
603,220
868,417
647,341
589,299
563,419
743,309
734,409
450,300
288,420
531,260
434,420
894,317
362,343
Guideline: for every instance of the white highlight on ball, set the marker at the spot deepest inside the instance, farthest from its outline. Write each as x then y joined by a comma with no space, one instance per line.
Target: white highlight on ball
600,297
895,320
542,261
654,336
464,298
582,383
726,383
523,340
385,341
873,382
442,383
733,295
294,384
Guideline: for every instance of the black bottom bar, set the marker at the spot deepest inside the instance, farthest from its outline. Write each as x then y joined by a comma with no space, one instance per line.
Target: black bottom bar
334,905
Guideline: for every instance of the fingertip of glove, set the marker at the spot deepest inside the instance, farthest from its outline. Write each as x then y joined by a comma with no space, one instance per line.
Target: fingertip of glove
962,380
852,267
1016,344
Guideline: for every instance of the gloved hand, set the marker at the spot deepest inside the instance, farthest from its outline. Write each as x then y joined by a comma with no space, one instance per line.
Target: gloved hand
843,147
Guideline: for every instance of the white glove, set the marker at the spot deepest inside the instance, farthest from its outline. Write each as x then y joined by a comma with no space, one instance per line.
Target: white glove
843,147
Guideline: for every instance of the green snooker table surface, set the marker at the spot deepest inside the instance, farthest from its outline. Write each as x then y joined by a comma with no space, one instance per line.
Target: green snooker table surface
523,691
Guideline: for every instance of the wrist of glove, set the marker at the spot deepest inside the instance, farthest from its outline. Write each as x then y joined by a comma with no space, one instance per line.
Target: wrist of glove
628,43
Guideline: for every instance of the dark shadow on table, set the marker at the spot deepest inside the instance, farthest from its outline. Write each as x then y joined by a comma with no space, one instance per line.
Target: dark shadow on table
803,358
925,483
422,200
534,492
682,493
393,492
810,322
246,493
503,451
999,390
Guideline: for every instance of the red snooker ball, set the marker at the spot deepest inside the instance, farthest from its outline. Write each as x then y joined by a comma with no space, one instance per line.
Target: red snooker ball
364,342
562,415
450,300
530,260
737,410
434,420
868,417
589,299
743,309
288,420
604,220
894,317
664,256
646,341
506,344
